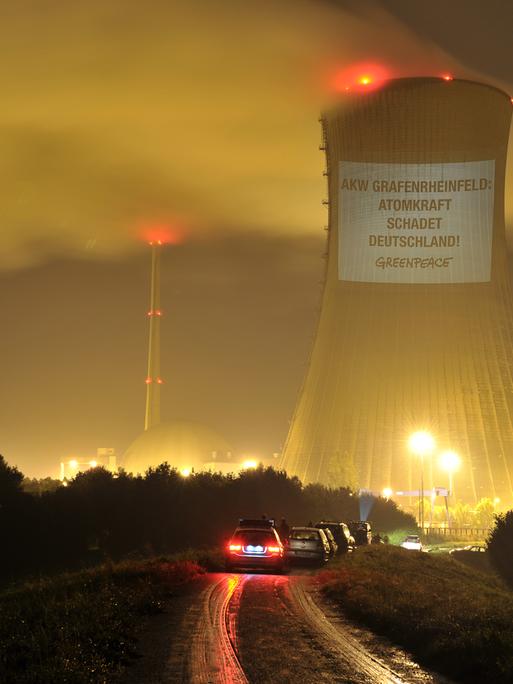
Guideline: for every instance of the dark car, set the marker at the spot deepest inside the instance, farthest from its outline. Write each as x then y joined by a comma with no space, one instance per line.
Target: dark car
255,547
331,540
254,523
308,544
340,531
361,531
468,550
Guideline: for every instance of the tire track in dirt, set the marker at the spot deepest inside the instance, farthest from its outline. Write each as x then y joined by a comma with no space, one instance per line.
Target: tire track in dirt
213,654
286,635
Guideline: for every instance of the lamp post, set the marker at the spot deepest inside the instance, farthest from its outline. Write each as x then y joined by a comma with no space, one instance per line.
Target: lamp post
421,444
450,462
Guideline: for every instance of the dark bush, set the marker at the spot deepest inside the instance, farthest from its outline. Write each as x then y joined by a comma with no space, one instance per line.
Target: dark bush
100,516
500,546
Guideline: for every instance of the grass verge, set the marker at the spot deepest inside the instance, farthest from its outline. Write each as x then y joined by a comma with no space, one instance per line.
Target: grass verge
452,618
82,627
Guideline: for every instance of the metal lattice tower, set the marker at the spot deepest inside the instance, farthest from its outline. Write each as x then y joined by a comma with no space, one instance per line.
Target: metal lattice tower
153,379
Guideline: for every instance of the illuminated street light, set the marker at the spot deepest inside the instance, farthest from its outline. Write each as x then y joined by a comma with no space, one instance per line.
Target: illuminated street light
450,462
93,464
185,472
421,443
249,464
73,464
387,493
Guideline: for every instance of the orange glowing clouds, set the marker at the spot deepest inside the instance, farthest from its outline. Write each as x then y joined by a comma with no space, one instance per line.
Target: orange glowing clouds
360,77
162,233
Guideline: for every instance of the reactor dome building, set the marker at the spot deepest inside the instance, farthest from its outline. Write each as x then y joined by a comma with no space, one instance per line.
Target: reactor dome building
416,324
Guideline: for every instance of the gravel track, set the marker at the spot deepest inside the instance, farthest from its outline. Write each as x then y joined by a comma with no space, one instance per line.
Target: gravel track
268,629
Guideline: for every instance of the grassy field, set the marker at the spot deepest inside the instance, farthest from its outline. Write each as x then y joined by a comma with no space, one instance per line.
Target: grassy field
452,618
82,627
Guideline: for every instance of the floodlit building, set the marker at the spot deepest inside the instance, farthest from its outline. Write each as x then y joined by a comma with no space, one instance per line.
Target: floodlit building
105,458
188,447
416,325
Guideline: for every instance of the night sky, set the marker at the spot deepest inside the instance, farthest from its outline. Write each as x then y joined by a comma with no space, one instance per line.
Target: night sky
201,115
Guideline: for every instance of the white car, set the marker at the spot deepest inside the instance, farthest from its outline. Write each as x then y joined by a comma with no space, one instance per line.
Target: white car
412,542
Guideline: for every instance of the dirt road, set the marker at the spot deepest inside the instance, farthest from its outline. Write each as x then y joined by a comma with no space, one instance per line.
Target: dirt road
268,629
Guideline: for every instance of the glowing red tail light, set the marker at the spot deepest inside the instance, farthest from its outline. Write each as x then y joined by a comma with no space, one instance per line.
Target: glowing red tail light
235,547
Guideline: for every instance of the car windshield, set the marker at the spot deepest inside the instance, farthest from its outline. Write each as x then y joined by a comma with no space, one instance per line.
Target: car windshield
305,535
254,537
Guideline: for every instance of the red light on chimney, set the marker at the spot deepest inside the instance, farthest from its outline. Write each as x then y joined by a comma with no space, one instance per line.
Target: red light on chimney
162,233
148,381
360,78
160,381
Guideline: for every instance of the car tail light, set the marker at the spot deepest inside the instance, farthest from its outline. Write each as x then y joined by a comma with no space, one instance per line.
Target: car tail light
274,549
235,547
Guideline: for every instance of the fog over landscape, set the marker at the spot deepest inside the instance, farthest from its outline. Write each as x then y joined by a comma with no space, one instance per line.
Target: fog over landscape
202,116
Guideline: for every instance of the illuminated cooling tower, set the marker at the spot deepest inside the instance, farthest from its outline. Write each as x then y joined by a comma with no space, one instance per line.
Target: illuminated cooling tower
416,326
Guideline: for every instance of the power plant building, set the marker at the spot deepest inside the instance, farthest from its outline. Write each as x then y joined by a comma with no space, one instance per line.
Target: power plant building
416,325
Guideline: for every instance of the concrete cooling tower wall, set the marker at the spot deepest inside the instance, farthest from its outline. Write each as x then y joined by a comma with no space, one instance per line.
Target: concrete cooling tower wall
416,326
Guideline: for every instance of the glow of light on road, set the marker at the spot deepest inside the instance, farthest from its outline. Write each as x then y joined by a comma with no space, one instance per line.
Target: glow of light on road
249,464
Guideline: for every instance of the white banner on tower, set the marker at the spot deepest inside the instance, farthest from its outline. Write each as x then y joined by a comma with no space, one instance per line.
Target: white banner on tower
416,223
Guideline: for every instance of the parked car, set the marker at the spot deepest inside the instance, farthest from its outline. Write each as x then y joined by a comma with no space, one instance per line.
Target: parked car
361,531
308,544
256,547
255,523
471,548
343,537
412,542
331,541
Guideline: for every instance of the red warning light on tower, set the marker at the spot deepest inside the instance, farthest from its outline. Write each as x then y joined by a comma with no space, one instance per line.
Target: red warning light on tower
360,78
162,233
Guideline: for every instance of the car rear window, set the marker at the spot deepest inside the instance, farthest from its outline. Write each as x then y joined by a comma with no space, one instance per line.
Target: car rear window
305,535
255,537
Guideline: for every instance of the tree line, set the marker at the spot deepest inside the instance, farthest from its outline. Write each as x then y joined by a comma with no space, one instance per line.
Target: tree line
100,516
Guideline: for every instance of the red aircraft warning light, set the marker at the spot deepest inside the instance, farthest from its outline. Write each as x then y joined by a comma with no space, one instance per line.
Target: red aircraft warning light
162,233
448,77
360,77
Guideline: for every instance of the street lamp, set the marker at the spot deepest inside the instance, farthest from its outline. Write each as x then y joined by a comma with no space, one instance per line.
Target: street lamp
387,493
421,444
450,462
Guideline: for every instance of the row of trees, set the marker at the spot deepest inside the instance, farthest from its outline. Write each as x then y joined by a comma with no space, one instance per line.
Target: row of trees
462,514
99,515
